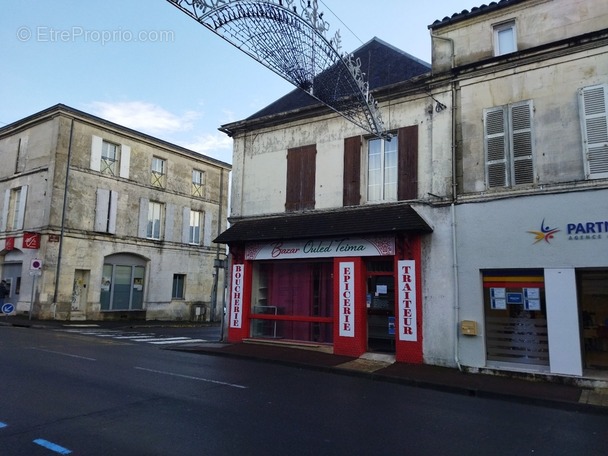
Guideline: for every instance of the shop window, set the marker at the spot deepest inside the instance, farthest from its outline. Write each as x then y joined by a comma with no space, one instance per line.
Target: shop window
593,102
515,317
509,143
301,168
593,298
122,284
293,301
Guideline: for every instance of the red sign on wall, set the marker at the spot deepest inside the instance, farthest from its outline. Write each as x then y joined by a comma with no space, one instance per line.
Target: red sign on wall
31,240
9,243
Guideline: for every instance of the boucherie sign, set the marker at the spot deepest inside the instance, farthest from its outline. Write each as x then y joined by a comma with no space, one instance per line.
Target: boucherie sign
318,248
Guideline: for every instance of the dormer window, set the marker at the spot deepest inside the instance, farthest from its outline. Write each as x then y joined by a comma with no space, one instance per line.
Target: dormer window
505,38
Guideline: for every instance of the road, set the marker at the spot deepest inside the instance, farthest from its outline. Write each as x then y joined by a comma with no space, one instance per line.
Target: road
83,394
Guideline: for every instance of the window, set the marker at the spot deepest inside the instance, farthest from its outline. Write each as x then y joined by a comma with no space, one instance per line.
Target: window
155,213
105,211
505,38
198,180
194,232
178,286
594,120
509,145
158,172
301,168
110,158
122,283
382,169
13,214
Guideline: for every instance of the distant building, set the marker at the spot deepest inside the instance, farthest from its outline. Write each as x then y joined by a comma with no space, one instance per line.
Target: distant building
477,237
99,221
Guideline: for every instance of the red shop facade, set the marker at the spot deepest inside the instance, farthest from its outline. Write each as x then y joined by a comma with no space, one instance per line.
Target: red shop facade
358,290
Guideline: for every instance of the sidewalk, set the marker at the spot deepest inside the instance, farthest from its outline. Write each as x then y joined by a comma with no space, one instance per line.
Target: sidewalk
537,391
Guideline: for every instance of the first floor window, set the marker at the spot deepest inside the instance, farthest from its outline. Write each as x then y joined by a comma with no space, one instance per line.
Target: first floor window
382,169
194,233
13,215
178,286
155,213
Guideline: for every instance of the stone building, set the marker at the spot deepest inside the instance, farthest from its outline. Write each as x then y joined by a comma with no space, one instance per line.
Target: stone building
99,221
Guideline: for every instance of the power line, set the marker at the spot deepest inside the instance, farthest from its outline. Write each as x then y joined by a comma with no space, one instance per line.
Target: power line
341,22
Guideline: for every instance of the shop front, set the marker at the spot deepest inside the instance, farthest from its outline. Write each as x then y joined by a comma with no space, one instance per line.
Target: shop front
355,292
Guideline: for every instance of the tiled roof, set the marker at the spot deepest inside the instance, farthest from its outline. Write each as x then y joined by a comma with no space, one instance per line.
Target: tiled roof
475,11
360,220
382,64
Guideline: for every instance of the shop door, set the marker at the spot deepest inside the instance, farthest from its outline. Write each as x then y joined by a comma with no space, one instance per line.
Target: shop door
593,299
381,312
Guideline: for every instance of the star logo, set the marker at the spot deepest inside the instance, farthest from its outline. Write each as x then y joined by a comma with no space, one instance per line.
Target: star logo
546,233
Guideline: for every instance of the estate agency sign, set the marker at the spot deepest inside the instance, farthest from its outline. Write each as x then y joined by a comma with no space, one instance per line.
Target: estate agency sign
321,248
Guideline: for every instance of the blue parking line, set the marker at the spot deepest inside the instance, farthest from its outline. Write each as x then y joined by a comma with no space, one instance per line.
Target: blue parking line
3,425
52,446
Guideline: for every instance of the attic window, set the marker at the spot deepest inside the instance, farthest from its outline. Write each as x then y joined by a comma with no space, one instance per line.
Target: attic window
505,38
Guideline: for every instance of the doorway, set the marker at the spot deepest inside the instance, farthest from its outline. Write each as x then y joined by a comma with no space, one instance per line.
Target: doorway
380,302
593,299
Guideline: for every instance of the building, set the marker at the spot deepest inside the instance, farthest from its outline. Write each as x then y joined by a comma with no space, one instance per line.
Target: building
330,234
530,89
99,221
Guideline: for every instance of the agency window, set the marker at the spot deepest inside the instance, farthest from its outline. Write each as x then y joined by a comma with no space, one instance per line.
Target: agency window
198,180
155,214
196,219
109,158
158,175
382,169
509,143
593,103
505,40
178,286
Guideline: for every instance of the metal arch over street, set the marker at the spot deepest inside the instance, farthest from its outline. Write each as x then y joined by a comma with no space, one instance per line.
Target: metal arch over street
292,42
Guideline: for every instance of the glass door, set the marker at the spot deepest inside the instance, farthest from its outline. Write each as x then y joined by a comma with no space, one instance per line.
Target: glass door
380,306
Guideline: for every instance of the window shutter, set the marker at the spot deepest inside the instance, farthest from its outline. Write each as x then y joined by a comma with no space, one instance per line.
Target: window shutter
496,147
125,159
113,211
7,203
301,167
408,162
96,145
169,220
351,195
22,203
144,206
207,222
594,126
186,225
521,145
102,209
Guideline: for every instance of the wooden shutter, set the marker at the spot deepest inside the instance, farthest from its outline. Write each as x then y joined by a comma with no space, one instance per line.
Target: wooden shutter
594,125
521,143
301,167
495,140
408,162
351,195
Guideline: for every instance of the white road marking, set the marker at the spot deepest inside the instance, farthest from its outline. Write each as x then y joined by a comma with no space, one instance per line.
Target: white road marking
189,377
62,353
185,340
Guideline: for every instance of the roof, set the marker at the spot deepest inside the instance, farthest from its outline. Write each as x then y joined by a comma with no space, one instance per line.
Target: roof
352,221
382,63
475,11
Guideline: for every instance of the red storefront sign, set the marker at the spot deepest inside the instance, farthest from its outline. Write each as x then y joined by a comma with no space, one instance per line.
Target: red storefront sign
31,240
9,243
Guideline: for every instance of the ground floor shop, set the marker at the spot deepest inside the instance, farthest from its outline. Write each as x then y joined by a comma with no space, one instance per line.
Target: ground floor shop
533,295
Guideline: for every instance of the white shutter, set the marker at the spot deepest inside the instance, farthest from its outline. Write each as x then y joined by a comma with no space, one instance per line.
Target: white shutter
521,143
102,208
169,220
495,140
207,228
96,145
22,203
144,205
593,103
125,159
186,225
113,211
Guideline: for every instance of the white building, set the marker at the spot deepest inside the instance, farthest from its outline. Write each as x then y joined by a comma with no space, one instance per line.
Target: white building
120,223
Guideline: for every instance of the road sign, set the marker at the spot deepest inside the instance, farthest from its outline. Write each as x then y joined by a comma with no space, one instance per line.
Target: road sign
36,264
8,308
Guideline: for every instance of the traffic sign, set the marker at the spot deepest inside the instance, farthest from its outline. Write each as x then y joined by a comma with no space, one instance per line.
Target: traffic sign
36,264
8,308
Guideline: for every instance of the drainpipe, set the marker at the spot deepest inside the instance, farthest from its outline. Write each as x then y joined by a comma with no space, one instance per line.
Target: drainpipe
63,216
456,310
216,264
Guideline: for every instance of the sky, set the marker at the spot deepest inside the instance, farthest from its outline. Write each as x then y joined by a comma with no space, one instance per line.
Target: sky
146,65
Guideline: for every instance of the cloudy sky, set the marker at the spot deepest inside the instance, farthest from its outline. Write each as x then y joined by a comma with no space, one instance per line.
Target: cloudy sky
146,65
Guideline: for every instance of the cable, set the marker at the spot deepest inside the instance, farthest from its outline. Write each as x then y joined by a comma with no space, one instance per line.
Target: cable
341,22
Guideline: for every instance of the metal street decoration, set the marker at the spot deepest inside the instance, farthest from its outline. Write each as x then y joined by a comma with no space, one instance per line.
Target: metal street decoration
292,42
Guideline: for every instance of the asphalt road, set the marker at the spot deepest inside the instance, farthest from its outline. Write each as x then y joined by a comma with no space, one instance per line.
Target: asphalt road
84,394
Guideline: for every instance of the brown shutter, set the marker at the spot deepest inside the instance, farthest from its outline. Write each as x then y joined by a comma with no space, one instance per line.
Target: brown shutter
408,162
351,195
301,167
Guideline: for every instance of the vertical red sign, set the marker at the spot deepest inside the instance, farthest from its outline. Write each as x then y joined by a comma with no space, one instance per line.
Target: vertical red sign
9,243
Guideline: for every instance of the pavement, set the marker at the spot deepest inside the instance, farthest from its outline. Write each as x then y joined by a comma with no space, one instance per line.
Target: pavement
526,388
